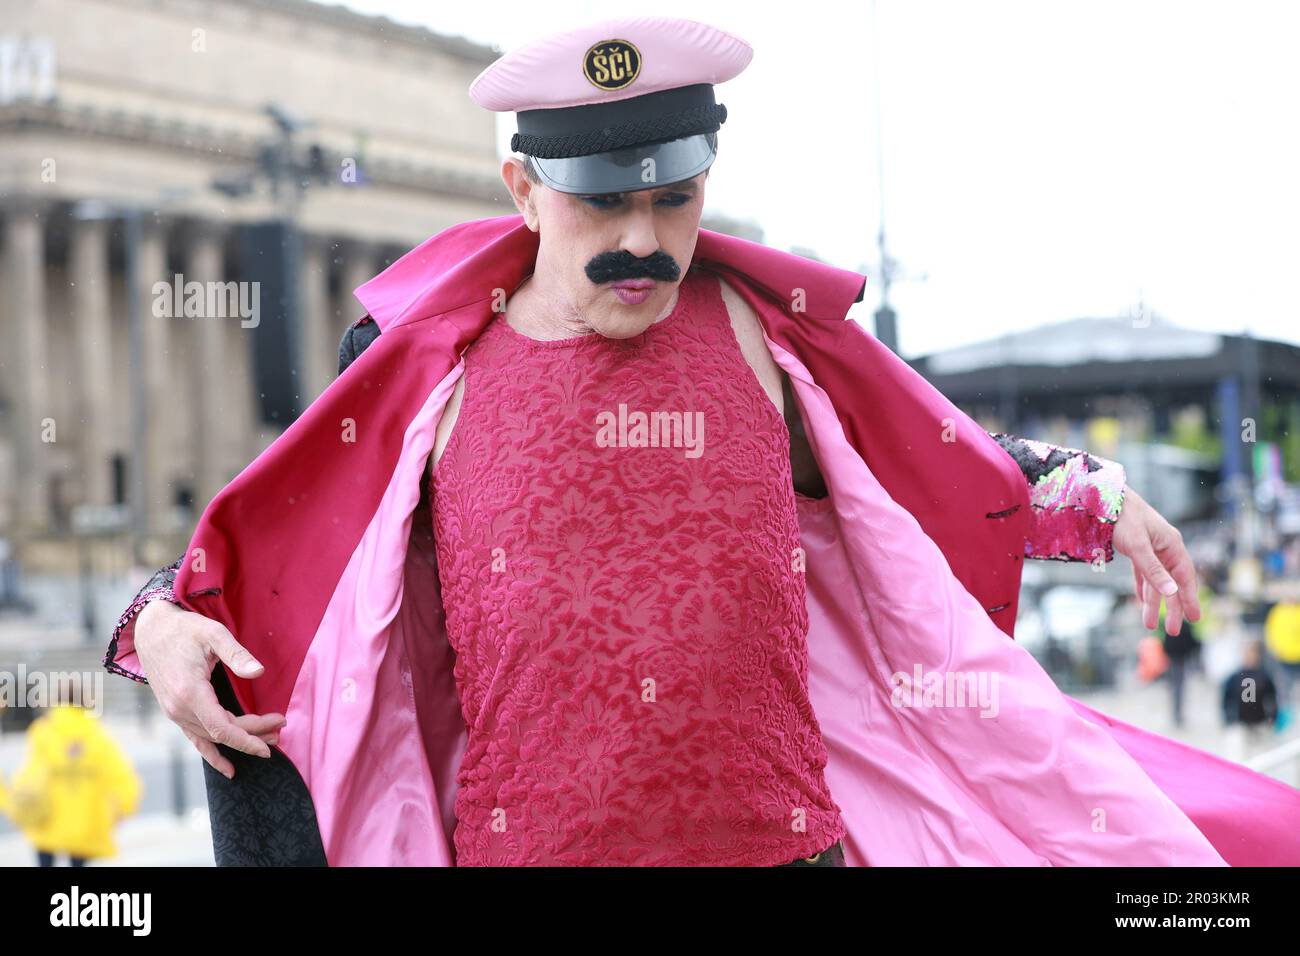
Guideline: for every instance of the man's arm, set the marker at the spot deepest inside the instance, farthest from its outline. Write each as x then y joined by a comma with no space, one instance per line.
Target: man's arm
1076,498
1084,510
356,338
120,657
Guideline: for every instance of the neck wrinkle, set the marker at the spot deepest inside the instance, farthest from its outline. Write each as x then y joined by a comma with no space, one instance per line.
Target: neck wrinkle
538,325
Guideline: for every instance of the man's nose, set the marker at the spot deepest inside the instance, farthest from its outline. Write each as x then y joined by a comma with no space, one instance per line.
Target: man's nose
639,237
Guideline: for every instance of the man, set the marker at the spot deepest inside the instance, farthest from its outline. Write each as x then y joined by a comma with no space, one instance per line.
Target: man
1249,699
696,555
1182,651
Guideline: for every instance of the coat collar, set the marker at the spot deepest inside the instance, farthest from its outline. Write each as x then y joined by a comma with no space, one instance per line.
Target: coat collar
468,262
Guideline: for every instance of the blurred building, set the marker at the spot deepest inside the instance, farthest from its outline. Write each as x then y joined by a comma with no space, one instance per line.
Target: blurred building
732,226
1175,405
117,108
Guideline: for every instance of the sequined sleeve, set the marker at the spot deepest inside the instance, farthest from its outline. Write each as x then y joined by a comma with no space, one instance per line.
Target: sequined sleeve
1076,499
121,657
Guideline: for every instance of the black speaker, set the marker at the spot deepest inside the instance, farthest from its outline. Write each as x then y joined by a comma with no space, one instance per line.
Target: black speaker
270,254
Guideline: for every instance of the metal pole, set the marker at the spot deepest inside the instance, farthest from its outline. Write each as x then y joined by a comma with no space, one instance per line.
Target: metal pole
886,318
90,629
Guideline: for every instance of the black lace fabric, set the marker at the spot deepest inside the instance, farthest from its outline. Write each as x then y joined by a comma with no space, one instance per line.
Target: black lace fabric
831,856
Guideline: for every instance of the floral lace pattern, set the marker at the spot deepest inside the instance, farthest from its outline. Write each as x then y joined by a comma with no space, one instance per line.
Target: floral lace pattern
630,622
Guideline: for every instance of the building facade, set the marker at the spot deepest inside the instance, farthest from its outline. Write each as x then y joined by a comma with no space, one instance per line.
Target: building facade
142,144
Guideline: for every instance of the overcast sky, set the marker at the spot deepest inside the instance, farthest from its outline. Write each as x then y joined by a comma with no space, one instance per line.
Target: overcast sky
1043,161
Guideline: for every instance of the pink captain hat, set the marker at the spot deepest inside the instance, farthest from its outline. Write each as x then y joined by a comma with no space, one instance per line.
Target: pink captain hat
616,106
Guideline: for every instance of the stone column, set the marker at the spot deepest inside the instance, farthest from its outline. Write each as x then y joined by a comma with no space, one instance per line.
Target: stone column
213,435
156,360
24,366
318,355
240,394
92,352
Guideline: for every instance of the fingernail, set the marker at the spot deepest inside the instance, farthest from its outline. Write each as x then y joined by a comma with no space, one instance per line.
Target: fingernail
1169,588
230,775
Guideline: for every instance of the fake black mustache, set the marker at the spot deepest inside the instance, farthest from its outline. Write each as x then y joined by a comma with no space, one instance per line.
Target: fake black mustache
613,266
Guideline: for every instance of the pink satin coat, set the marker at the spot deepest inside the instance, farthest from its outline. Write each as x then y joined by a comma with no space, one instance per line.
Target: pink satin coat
311,558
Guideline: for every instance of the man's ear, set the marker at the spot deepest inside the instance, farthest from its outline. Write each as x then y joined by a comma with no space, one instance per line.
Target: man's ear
521,189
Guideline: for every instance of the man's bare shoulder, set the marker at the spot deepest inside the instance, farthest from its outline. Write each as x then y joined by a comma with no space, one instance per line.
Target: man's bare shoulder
450,414
748,329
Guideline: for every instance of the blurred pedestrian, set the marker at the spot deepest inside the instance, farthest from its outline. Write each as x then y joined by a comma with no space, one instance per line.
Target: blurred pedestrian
1250,705
1152,659
75,785
1183,650
1282,635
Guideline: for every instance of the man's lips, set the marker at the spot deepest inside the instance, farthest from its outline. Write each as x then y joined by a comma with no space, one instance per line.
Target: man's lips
633,291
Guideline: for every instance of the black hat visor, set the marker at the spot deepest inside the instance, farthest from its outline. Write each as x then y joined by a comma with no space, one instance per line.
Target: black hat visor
636,167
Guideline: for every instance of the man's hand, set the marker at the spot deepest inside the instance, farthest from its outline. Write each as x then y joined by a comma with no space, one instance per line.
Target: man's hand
1161,564
177,651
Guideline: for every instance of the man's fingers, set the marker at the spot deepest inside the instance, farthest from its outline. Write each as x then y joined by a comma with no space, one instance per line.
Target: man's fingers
1150,603
259,723
220,727
1172,570
233,654
1148,598
1151,609
265,726
1174,614
1153,569
1158,581
212,755
1184,572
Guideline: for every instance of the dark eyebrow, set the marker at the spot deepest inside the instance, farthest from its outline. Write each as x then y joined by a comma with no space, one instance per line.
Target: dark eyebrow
685,186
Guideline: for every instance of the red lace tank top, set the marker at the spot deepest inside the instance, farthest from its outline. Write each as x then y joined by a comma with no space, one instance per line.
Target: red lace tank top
616,533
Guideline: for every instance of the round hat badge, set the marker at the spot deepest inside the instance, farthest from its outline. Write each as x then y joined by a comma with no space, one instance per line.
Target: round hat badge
611,64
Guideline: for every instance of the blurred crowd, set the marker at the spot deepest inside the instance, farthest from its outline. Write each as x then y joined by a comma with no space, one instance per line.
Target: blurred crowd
1257,643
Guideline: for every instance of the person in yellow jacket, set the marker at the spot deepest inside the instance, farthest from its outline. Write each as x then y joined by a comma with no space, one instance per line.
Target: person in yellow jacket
1282,635
73,789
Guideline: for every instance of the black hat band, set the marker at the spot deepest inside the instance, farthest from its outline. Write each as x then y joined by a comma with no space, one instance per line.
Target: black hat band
601,127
